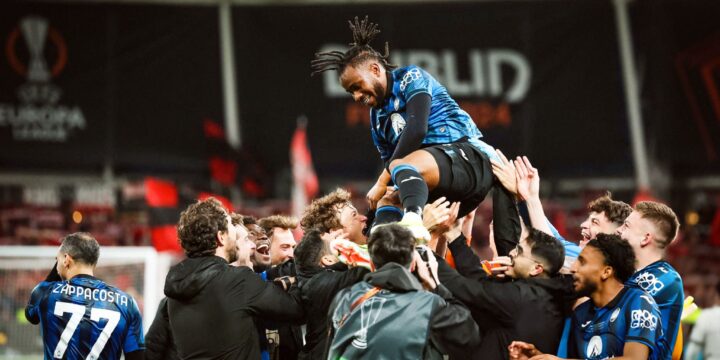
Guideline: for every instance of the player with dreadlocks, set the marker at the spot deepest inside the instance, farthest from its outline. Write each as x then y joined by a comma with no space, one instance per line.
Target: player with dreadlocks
430,146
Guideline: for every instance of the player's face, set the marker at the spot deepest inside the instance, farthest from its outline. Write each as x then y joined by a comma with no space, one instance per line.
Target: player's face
261,256
587,271
245,247
596,223
635,230
282,246
365,83
61,262
230,241
523,261
353,223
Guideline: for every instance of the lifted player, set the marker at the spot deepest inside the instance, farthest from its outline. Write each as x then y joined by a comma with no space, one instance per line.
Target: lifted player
430,146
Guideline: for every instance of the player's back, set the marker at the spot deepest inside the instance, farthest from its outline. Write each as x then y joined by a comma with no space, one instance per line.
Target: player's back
85,318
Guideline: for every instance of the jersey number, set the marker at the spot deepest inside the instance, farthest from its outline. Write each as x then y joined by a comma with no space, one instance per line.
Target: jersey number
76,313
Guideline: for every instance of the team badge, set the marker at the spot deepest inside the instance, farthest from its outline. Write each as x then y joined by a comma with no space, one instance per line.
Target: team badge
594,347
398,123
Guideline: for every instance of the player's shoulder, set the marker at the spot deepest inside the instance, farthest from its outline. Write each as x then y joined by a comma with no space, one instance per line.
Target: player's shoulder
635,296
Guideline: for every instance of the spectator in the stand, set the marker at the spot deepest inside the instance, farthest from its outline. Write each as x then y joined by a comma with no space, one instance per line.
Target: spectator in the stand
335,211
531,307
321,276
619,320
211,305
282,243
80,315
650,229
261,256
395,315
705,336
606,216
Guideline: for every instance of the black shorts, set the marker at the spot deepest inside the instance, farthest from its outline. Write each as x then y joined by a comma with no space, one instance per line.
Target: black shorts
465,175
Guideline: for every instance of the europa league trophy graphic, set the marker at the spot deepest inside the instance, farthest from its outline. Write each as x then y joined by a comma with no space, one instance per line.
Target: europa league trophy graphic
369,313
34,30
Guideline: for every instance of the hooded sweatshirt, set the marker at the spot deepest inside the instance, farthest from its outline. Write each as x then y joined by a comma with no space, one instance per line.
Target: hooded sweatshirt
211,306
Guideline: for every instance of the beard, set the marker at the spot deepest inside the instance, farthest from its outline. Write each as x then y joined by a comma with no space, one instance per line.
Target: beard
232,254
586,288
379,94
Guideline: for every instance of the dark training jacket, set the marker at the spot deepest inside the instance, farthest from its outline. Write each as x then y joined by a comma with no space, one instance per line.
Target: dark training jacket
211,306
159,344
402,321
319,287
530,310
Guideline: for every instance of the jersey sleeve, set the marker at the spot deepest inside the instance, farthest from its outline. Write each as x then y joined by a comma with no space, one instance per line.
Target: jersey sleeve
645,325
414,82
135,339
32,310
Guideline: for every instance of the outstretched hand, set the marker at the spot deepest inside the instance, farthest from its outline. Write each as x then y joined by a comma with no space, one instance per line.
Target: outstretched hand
504,170
528,179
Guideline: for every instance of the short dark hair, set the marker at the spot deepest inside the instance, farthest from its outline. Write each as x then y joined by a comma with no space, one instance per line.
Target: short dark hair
310,250
391,243
363,33
82,247
548,249
618,254
616,211
249,220
199,225
237,219
664,219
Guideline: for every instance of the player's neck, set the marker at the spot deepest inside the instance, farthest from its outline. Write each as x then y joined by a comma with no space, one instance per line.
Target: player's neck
645,258
606,292
80,270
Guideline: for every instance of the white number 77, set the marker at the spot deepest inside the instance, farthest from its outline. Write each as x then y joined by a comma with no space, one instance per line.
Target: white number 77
77,312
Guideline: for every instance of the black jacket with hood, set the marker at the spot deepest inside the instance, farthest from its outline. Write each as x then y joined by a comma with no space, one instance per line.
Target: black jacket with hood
530,310
211,306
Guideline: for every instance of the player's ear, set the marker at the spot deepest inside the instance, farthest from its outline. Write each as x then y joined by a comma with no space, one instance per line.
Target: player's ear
607,272
375,68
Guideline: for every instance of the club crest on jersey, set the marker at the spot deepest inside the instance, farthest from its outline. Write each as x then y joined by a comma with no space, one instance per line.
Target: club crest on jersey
397,122
643,319
614,315
594,347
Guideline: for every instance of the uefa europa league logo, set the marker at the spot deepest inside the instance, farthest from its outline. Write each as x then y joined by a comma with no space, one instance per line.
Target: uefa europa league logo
34,30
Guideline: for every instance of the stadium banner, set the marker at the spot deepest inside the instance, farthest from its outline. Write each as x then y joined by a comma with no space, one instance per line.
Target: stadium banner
541,79
86,84
678,46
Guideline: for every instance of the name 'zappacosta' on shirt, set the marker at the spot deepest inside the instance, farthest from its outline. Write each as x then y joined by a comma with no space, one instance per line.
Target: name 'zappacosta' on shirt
91,294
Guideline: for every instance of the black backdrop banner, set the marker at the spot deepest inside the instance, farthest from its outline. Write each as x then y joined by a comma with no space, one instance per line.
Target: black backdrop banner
539,78
678,46
83,84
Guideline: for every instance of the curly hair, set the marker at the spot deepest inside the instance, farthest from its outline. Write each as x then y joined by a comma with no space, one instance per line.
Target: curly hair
322,214
618,254
664,219
277,221
363,33
199,225
616,211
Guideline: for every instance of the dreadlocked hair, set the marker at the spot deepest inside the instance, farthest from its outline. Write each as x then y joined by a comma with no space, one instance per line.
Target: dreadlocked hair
360,51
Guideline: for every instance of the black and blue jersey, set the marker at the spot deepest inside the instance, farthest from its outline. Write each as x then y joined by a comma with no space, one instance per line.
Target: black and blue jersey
601,333
665,285
447,122
85,318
